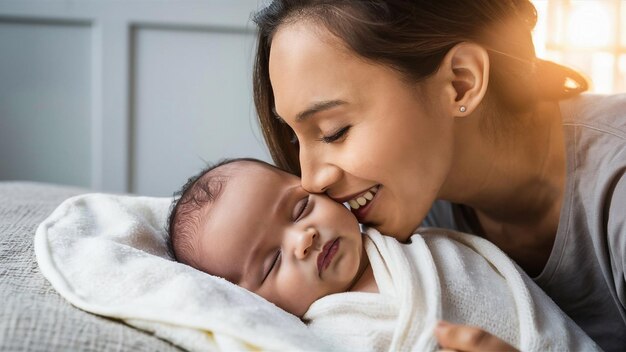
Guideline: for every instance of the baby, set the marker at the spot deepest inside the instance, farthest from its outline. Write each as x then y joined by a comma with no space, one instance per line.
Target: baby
254,225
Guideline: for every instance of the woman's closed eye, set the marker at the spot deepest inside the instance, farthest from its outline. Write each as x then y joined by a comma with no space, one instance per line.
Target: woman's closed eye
337,135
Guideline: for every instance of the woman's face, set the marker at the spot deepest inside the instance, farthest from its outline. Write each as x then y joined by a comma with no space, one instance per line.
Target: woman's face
366,136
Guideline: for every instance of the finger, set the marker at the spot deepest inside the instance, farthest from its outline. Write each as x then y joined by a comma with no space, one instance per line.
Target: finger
468,339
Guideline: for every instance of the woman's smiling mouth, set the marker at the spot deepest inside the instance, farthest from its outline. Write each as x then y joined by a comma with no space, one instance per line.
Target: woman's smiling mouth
362,200
361,204
326,255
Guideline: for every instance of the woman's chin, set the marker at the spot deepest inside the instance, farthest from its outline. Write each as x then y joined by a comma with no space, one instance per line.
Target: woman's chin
397,231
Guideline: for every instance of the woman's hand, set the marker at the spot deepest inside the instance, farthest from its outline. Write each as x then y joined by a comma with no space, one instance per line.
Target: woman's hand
453,337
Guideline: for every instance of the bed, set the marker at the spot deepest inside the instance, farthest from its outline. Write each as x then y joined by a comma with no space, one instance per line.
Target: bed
33,316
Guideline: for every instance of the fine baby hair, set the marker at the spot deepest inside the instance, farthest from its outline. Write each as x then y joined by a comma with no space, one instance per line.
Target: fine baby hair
199,191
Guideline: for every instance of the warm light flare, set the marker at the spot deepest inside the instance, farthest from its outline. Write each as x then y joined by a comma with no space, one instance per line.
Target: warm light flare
589,25
585,35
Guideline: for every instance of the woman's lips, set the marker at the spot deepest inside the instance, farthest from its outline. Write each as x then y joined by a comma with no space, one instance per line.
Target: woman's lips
362,212
326,256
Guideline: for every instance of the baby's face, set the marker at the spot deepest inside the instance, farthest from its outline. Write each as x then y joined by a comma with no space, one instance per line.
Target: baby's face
268,235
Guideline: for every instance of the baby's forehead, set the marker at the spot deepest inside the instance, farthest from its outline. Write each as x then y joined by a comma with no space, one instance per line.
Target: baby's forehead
239,185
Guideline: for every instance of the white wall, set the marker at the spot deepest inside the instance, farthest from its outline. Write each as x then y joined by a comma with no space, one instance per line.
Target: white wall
125,96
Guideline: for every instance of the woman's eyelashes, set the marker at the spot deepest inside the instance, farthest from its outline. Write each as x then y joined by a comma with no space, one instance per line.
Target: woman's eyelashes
341,133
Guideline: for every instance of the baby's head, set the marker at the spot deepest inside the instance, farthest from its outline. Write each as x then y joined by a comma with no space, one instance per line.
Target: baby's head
254,225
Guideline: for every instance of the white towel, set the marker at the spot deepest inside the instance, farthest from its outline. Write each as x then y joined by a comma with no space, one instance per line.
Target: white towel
447,275
107,255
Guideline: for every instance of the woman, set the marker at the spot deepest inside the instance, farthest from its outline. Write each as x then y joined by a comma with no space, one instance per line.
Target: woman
439,113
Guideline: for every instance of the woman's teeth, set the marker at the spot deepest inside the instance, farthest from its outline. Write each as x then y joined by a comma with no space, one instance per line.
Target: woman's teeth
362,200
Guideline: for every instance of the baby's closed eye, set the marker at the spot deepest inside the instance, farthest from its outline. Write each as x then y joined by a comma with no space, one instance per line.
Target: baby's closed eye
301,207
274,264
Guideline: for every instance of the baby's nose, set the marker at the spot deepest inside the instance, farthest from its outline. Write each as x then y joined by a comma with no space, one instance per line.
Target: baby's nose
305,241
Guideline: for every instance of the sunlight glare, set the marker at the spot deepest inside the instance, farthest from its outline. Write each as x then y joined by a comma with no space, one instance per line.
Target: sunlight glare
589,25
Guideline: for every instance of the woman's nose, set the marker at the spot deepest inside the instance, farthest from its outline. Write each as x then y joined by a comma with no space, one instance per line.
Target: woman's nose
317,176
305,242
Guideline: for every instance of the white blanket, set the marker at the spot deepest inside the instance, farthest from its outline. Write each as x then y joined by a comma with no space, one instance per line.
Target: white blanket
449,275
107,255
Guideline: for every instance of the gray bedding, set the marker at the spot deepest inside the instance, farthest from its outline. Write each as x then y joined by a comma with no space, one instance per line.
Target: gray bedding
33,317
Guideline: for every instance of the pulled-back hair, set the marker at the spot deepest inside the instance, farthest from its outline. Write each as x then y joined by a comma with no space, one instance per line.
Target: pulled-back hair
189,206
412,37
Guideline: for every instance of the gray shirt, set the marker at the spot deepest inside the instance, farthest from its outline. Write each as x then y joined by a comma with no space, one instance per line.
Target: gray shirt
585,274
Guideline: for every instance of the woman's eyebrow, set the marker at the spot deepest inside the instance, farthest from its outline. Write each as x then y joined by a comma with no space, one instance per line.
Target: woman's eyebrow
313,109
317,107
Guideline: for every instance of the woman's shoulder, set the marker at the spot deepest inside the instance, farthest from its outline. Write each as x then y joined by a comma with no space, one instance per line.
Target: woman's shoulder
595,136
598,112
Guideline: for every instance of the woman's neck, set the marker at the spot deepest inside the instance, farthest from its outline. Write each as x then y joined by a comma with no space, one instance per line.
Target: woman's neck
518,182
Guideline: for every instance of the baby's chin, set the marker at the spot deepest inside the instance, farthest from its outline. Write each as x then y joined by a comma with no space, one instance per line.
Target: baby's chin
300,312
304,315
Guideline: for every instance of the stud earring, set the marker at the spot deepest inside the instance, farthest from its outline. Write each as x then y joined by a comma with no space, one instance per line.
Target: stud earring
462,108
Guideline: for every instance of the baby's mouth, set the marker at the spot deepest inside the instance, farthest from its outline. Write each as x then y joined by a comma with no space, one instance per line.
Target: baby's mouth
326,255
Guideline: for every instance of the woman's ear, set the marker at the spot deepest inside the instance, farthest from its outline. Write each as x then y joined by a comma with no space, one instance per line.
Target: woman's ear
465,71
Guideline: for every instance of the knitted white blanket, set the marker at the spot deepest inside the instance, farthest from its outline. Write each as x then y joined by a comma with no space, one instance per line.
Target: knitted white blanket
443,275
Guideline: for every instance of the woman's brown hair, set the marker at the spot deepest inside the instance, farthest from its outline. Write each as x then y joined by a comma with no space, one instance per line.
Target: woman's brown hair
412,37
